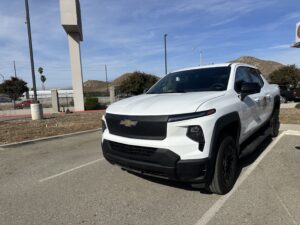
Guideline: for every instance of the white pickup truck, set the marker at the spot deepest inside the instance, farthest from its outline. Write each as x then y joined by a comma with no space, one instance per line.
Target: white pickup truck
193,125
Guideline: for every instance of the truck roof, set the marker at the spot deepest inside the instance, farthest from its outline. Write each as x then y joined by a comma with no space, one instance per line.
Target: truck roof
215,65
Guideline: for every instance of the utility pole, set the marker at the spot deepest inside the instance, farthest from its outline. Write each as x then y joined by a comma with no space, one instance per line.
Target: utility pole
15,68
106,80
166,63
30,50
201,58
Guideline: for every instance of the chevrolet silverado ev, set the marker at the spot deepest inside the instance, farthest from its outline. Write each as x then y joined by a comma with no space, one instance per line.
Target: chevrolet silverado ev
193,125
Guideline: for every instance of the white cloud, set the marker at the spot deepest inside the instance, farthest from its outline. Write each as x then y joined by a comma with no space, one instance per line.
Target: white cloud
282,46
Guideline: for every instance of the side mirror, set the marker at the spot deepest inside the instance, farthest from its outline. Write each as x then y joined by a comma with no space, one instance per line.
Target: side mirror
249,89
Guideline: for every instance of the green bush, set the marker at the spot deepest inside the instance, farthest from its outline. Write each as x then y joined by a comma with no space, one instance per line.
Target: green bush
136,82
286,75
95,94
297,106
93,104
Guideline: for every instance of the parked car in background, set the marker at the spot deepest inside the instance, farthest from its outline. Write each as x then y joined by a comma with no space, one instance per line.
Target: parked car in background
286,93
296,94
24,104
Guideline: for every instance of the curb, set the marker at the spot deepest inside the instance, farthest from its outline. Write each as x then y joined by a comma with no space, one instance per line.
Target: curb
15,144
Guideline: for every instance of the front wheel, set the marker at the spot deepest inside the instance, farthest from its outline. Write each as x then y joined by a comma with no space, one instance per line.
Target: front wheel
226,167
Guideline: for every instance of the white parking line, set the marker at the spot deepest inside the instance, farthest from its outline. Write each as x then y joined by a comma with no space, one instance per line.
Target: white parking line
70,170
292,132
212,211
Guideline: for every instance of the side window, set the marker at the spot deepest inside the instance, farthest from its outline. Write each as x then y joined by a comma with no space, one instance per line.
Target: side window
241,76
256,77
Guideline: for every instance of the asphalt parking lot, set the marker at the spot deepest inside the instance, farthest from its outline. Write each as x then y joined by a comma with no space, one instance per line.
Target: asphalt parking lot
67,181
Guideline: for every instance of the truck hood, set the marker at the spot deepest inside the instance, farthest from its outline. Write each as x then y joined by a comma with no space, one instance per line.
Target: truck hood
162,104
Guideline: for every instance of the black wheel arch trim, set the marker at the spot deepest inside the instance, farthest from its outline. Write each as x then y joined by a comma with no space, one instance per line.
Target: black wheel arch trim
220,124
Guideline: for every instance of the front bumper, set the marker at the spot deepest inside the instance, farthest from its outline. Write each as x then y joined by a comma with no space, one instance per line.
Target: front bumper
156,162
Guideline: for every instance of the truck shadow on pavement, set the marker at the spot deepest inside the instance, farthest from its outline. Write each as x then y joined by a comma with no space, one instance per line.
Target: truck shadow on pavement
245,161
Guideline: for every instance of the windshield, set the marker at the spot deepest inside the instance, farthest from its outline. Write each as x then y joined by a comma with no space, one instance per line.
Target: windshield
207,79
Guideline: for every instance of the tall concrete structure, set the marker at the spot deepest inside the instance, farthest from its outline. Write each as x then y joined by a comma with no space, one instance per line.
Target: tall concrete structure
71,22
297,42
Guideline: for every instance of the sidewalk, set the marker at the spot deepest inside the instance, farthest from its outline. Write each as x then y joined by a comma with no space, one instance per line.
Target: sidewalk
289,105
284,127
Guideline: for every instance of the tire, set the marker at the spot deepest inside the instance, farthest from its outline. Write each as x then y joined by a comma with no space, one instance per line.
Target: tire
225,172
274,122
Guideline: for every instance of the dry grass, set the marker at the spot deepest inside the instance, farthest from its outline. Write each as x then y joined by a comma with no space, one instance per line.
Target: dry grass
290,116
21,129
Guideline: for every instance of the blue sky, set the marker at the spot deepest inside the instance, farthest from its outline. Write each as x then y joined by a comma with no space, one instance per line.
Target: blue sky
127,35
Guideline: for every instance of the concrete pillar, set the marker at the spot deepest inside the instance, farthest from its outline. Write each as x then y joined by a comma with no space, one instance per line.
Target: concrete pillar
55,101
112,94
36,111
76,69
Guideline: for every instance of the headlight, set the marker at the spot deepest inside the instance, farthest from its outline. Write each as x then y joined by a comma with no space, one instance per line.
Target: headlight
196,134
187,116
103,125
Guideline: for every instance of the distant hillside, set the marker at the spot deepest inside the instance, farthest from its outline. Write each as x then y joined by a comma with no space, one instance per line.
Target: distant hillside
94,86
265,66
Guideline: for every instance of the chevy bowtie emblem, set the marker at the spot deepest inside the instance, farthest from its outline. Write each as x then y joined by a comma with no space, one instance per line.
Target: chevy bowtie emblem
128,123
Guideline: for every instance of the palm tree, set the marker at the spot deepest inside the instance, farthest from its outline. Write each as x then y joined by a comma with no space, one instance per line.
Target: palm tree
43,77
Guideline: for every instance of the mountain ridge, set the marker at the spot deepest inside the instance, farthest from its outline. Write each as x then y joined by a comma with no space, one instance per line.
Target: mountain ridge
265,66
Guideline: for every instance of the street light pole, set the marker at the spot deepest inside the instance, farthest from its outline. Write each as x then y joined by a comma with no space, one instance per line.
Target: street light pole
166,63
106,79
30,50
201,58
15,68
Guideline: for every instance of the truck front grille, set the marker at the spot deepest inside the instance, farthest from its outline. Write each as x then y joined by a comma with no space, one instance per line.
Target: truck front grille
138,127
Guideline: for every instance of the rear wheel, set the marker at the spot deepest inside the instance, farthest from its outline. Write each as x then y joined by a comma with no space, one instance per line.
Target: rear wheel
274,122
226,167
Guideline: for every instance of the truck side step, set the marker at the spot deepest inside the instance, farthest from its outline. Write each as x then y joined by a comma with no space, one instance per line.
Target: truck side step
250,145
